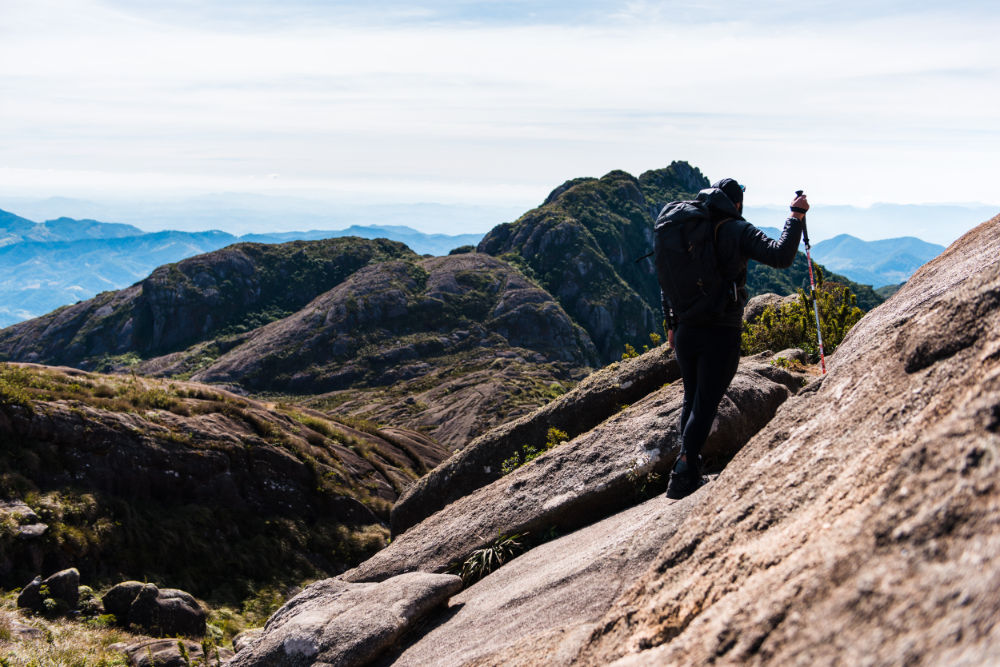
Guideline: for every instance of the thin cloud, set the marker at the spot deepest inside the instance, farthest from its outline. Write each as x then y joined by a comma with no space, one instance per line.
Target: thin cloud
476,103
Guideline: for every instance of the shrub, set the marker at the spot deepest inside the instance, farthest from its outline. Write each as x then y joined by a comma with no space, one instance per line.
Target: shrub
13,383
794,325
489,558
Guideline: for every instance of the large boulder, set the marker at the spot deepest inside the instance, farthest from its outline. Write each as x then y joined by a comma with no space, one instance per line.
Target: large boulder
757,305
542,606
595,399
860,526
62,588
166,611
583,480
333,622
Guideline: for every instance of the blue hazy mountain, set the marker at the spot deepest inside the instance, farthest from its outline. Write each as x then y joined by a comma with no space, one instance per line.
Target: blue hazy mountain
47,265
875,263
37,277
15,229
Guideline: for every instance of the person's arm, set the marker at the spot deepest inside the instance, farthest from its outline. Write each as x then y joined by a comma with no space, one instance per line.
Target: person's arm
780,254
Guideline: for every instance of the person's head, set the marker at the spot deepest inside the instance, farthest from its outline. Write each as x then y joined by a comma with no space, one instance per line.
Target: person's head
733,190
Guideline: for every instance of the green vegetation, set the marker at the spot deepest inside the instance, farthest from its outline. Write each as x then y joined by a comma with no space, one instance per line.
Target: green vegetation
630,351
13,387
790,364
489,558
528,453
887,291
225,622
794,324
221,553
85,640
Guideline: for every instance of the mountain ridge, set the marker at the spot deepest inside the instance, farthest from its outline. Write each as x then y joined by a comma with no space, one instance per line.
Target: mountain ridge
876,263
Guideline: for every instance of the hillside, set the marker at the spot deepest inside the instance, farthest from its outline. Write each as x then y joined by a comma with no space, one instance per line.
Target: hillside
451,345
583,244
853,520
187,484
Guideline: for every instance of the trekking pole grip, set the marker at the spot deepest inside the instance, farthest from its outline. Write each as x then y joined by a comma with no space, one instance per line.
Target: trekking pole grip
805,233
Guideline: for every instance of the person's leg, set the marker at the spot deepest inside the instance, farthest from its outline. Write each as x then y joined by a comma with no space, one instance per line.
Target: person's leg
687,350
717,361
714,354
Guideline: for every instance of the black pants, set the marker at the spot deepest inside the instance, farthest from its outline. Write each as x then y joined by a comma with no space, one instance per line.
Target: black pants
708,357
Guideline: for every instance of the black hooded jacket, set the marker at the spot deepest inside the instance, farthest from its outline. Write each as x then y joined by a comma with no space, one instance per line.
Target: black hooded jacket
737,241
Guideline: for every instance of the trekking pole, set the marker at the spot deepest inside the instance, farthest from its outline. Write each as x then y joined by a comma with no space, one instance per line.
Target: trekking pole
812,287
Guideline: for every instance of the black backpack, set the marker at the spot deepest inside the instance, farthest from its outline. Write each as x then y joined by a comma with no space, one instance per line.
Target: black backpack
687,265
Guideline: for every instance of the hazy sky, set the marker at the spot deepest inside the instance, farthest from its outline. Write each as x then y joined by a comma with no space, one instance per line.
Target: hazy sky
489,102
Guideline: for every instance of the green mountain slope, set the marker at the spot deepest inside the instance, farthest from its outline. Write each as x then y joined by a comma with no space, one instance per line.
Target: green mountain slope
583,242
366,323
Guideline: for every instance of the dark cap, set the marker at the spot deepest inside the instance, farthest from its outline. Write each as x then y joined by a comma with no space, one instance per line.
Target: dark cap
732,189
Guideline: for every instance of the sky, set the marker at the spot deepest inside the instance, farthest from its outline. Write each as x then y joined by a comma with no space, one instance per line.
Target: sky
493,104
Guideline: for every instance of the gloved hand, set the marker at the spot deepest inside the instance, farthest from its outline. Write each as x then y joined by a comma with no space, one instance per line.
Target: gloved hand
799,207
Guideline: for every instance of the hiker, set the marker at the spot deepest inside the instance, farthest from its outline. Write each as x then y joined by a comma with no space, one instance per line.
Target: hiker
706,336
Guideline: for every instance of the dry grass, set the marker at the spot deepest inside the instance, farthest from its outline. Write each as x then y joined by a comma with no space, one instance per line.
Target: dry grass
65,643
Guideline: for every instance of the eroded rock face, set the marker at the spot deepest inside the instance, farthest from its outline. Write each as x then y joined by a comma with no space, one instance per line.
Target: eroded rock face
578,482
542,606
599,396
860,525
333,622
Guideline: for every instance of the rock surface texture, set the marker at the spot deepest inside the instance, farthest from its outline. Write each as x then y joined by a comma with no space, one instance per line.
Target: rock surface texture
860,526
585,479
332,622
542,606
595,399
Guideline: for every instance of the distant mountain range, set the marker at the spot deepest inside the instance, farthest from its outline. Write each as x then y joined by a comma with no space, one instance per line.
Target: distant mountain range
44,265
875,263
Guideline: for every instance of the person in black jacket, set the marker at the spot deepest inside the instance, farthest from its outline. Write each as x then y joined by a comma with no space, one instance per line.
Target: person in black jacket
708,346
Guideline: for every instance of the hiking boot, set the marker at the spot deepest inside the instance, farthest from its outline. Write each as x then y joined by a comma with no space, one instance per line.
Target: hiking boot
685,478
